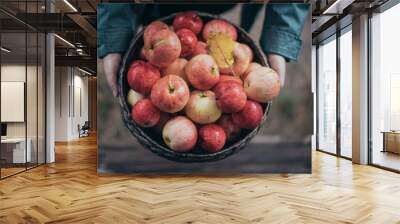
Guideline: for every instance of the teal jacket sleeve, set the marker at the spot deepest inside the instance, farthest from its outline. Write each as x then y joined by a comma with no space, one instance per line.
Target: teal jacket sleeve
116,24
282,29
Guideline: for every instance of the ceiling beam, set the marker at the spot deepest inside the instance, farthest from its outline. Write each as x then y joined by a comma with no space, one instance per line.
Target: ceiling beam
80,20
49,22
337,7
79,61
85,25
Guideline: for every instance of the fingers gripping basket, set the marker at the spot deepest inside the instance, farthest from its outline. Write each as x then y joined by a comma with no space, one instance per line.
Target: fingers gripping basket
153,141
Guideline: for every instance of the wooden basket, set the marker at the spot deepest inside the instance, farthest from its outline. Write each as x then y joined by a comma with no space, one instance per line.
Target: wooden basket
153,141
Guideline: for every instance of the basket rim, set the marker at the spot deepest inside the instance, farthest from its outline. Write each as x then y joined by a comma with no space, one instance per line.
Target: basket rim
163,151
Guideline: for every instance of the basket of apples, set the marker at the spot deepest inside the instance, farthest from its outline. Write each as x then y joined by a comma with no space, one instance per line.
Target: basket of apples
195,87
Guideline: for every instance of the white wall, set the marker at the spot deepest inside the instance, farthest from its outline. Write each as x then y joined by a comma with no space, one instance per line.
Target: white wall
12,73
71,94
16,73
61,103
80,103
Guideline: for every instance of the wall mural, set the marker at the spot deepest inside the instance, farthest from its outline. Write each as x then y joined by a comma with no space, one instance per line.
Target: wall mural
204,88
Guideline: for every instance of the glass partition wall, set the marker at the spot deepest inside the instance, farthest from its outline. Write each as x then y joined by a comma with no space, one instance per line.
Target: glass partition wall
13,88
22,76
334,94
385,89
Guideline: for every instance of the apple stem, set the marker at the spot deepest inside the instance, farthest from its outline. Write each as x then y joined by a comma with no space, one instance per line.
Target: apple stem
170,87
213,71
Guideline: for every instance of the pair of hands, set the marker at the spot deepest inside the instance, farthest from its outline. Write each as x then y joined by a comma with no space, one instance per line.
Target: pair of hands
112,63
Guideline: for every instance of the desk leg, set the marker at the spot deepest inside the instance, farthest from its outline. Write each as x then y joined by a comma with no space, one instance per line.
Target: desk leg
384,142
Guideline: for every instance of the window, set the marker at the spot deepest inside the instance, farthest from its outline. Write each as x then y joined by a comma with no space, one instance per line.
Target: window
327,96
385,89
346,93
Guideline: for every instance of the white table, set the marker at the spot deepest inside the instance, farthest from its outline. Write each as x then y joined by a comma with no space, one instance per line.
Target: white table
18,144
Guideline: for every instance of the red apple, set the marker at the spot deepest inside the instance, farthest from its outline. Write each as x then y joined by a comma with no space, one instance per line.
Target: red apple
219,26
170,94
230,95
251,67
201,48
212,138
202,72
230,128
180,134
248,51
241,57
188,41
224,78
176,68
250,117
142,76
188,20
162,48
202,107
133,97
262,84
145,114
152,29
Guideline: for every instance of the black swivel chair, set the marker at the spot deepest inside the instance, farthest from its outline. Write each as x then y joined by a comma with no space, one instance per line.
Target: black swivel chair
84,130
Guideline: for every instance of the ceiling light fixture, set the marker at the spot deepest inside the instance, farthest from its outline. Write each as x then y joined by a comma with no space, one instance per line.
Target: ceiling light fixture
80,51
64,40
70,5
5,50
84,71
337,7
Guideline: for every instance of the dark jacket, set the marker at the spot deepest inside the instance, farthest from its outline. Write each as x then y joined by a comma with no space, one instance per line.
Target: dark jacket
283,24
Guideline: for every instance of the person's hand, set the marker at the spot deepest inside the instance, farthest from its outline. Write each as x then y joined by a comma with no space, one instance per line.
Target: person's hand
111,64
278,64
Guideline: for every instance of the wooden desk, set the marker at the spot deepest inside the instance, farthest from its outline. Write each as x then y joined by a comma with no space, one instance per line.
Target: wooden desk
16,146
391,141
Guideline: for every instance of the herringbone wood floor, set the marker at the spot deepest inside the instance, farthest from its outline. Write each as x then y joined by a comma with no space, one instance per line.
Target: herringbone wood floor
70,191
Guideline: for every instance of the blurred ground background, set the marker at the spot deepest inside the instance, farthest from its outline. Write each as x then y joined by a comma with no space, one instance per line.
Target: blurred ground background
283,145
